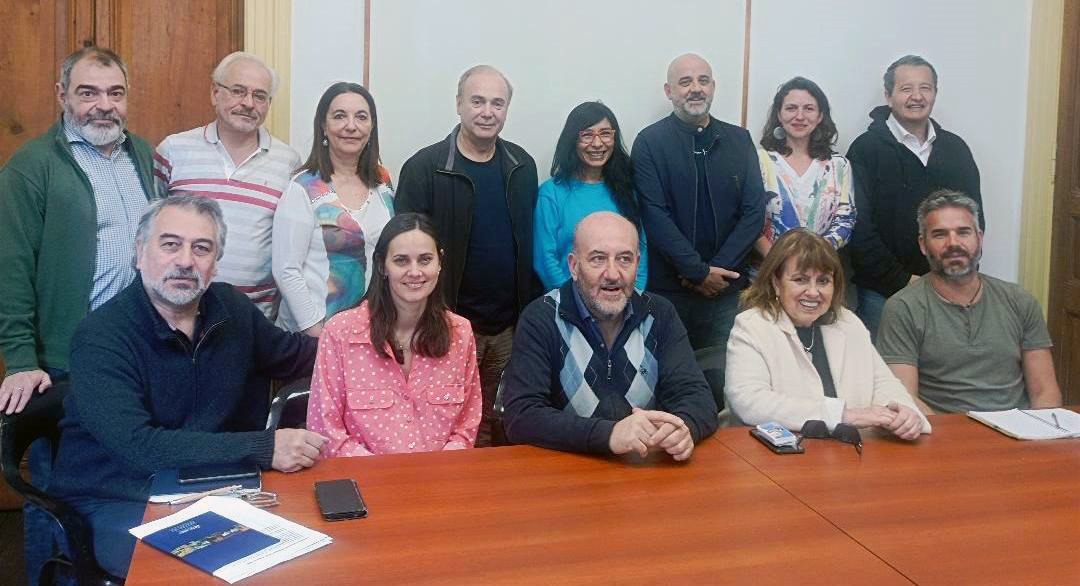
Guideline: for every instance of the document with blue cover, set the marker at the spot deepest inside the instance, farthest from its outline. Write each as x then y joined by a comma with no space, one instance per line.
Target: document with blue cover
229,538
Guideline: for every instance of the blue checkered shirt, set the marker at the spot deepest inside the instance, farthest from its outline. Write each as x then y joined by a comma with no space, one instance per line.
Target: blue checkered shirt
120,201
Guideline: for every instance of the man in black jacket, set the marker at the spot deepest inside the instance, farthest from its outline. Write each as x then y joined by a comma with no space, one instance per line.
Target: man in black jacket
703,204
480,191
172,372
600,368
901,158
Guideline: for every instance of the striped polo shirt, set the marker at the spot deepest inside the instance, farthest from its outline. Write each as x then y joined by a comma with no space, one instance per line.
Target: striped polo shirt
196,162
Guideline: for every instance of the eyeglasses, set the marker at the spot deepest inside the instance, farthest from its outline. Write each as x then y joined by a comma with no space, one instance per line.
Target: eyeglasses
847,433
239,92
607,136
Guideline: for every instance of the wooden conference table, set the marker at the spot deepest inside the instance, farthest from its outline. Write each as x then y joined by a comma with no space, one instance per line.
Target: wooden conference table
963,505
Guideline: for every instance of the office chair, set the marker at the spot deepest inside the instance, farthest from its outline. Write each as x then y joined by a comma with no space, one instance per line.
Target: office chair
711,361
288,410
498,430
40,419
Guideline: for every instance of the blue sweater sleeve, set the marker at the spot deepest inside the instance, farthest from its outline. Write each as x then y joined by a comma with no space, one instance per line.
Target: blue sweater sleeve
547,232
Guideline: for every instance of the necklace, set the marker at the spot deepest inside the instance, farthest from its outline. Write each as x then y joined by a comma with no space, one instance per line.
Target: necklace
961,305
813,334
399,354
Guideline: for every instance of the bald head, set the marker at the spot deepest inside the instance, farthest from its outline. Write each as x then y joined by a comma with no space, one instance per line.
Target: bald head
603,227
690,87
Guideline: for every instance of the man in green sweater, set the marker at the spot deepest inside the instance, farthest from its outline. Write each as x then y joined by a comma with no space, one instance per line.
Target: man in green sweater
70,201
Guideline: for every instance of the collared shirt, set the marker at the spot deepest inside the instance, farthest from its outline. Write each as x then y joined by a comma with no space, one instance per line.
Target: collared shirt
197,163
364,404
921,149
120,201
592,325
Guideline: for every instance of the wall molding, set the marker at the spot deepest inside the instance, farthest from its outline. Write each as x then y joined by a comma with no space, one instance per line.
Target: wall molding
268,34
1040,145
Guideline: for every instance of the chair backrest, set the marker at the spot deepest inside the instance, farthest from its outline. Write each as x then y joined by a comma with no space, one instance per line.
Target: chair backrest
711,361
41,419
288,410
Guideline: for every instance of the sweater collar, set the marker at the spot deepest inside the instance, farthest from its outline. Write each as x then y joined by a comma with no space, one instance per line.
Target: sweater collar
509,160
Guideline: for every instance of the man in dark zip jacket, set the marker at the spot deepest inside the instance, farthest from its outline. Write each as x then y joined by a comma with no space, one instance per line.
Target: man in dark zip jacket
480,192
172,372
703,204
601,368
902,157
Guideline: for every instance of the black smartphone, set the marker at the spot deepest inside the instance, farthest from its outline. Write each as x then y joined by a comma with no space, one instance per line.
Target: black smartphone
217,472
764,438
340,500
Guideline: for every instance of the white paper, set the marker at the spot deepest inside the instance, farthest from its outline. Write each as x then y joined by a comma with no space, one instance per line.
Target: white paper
1032,424
296,539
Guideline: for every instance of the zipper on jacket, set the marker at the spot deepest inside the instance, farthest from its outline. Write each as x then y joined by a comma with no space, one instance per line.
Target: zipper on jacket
195,350
609,367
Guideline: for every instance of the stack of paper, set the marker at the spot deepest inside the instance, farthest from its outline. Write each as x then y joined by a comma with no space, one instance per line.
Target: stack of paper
1032,424
230,538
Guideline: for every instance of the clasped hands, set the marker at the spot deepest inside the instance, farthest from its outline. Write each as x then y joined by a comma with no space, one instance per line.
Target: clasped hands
900,420
652,431
715,282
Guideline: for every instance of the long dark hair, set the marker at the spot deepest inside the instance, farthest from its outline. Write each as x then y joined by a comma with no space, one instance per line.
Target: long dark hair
822,138
432,335
367,168
618,171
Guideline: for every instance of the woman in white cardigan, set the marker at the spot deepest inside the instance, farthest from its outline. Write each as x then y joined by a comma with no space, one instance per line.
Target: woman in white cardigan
797,354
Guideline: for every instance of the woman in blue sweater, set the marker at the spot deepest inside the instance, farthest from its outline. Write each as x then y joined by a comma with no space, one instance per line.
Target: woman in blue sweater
590,172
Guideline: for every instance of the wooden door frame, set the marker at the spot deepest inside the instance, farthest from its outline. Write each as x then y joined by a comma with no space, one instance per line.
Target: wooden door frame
1065,243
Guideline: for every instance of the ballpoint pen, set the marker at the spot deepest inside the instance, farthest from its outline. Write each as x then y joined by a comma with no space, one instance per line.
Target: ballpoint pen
190,498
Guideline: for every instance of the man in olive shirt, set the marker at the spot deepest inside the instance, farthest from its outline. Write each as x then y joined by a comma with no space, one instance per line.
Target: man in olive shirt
960,340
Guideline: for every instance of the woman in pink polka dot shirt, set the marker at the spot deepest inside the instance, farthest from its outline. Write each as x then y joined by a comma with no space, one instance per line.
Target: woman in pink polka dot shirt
398,372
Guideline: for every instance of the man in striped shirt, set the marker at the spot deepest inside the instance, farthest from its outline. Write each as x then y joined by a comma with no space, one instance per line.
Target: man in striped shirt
235,161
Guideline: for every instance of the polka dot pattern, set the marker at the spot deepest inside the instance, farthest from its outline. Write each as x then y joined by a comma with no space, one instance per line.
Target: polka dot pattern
365,404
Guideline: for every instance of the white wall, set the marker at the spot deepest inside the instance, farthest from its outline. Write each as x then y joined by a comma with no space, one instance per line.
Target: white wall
561,52
979,48
556,53
327,46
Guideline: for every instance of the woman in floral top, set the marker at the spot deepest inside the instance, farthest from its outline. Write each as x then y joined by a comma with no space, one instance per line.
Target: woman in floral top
806,184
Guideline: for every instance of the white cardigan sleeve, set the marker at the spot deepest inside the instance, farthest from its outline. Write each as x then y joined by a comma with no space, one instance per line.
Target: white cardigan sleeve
294,223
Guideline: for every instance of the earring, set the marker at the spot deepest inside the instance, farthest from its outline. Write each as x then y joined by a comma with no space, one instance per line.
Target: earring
325,142
779,133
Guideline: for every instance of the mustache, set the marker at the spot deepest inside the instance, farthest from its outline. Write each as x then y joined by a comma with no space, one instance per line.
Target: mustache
955,250
92,117
182,273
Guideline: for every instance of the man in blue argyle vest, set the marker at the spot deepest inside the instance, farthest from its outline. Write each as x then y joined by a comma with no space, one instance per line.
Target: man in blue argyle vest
598,367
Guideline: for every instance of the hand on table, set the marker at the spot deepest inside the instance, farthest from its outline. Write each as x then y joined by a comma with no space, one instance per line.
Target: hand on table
295,449
906,423
872,416
644,431
17,388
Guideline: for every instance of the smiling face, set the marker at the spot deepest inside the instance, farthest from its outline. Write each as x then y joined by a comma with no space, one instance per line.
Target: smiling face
178,259
595,144
348,125
804,294
799,114
482,106
95,101
412,268
604,263
952,244
913,95
690,87
243,115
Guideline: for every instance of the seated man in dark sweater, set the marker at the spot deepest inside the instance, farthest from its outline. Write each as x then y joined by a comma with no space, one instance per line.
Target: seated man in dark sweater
597,367
172,372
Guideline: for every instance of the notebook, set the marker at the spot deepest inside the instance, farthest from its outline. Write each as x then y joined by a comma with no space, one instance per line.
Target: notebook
1032,424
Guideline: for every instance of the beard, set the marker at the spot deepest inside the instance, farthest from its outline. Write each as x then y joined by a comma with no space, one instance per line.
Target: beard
90,132
602,309
178,297
952,272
